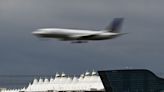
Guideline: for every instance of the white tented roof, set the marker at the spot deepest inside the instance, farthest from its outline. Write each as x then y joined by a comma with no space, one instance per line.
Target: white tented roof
85,82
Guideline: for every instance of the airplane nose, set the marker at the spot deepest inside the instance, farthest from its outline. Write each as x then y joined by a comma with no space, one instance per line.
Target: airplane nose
34,32
37,33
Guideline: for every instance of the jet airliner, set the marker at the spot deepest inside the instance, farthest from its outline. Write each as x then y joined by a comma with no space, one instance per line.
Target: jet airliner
82,36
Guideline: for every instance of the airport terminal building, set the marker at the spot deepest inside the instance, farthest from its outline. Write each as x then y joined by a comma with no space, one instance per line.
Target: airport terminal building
89,81
133,80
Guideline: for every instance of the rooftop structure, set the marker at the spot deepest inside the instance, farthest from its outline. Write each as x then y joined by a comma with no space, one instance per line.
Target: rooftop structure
62,82
131,80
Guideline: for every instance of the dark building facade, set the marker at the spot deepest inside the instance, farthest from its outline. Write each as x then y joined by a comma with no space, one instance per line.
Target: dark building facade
135,80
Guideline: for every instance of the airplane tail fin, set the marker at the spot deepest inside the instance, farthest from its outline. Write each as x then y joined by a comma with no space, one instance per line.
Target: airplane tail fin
115,25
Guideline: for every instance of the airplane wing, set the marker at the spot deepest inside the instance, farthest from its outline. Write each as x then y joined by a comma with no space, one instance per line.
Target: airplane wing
79,37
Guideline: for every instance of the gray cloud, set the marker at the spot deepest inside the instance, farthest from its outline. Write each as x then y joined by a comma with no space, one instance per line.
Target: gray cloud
21,52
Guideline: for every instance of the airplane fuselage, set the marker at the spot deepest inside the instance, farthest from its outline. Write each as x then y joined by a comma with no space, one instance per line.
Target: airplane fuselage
72,34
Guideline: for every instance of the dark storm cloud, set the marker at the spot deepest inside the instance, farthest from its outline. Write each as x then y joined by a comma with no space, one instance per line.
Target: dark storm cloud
21,52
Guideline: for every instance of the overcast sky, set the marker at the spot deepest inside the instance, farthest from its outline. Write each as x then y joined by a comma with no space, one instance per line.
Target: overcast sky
23,53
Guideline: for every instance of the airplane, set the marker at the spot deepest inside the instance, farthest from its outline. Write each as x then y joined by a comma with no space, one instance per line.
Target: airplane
82,36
